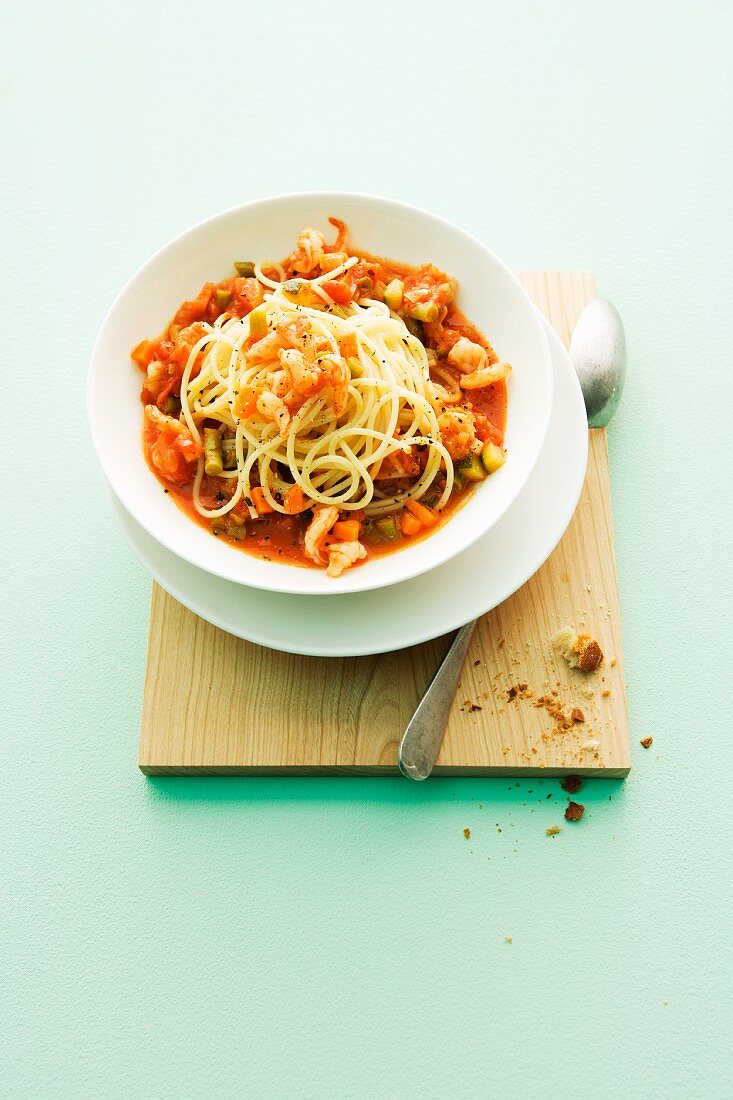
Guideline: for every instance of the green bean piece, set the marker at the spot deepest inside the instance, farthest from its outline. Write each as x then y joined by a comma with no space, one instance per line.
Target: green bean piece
492,457
258,322
223,298
425,311
393,293
213,458
471,469
229,453
245,268
387,527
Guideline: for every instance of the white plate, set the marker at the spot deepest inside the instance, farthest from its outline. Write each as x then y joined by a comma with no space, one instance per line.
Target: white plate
489,294
353,624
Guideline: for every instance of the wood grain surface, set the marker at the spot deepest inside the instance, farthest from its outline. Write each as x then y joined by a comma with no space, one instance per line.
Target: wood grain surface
214,704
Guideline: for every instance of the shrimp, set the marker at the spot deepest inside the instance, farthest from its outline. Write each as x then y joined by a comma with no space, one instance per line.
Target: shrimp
266,348
309,253
473,361
400,463
156,379
306,378
486,376
324,517
279,382
467,356
170,445
457,431
339,376
285,333
274,408
311,372
341,555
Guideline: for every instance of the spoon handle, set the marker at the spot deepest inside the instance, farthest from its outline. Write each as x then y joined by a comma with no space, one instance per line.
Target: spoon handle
423,735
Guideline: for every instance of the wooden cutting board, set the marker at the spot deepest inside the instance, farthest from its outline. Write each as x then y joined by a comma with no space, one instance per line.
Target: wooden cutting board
216,705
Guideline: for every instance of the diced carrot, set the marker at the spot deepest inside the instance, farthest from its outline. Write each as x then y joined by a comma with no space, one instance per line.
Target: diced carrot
422,514
294,501
346,530
348,346
409,525
337,291
246,403
262,507
144,353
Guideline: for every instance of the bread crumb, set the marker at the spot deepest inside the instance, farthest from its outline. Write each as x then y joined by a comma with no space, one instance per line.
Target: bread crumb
613,662
588,746
518,691
554,708
605,694
507,939
647,742
574,811
579,650
577,715
571,783
467,834
553,830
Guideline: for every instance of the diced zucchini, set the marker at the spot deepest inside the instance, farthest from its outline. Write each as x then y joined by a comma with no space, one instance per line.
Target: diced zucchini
471,469
258,322
492,457
387,527
223,298
245,268
393,293
425,311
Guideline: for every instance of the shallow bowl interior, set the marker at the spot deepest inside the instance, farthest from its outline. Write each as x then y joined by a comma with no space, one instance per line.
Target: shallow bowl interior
489,295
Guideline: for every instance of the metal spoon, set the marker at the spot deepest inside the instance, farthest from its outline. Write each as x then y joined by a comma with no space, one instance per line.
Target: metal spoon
598,353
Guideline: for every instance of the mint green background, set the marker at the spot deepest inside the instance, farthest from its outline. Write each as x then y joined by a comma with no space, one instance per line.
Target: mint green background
341,938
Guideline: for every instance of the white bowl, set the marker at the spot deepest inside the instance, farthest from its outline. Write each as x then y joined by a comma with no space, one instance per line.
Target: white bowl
489,295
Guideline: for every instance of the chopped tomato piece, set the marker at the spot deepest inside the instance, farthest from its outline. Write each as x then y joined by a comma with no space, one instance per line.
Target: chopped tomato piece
195,310
338,292
144,353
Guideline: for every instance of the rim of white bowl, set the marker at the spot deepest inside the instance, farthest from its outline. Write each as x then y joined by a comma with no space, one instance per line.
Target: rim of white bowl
279,582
